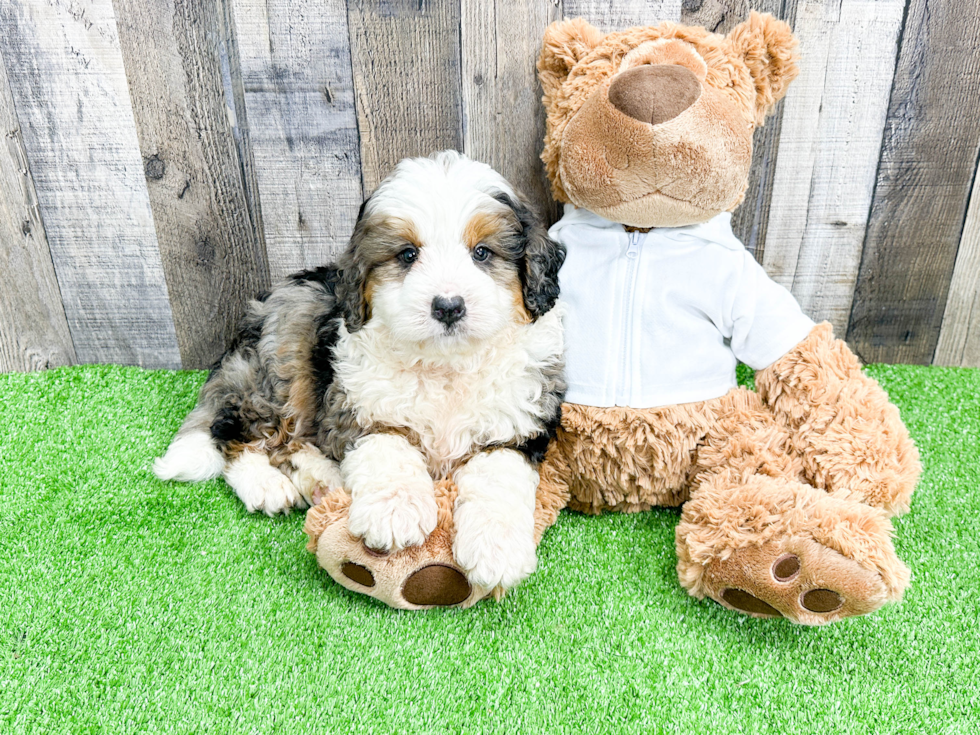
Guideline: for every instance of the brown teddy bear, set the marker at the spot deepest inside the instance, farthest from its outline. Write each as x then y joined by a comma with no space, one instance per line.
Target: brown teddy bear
786,492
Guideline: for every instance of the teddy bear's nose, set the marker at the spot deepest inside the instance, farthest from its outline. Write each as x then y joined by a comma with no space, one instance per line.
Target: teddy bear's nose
654,93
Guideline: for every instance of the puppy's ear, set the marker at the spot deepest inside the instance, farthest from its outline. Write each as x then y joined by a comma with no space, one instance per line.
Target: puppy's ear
565,43
768,48
353,275
541,258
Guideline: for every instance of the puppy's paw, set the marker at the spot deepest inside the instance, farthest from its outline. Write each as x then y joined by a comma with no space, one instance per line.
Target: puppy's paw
492,552
272,494
263,488
314,475
391,521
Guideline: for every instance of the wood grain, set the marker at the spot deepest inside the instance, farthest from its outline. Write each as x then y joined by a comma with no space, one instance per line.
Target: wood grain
33,330
720,16
927,168
503,118
832,124
212,255
299,97
73,104
406,61
622,14
959,337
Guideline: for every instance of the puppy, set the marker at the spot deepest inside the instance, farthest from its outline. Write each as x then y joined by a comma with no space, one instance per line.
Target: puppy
430,350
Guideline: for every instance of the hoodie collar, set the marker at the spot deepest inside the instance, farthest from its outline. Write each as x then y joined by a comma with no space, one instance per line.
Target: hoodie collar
718,229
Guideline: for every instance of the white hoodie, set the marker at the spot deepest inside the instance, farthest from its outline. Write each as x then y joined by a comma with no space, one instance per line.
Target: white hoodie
659,318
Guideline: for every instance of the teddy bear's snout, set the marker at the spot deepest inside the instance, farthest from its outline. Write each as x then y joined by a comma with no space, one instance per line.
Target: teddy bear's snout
654,93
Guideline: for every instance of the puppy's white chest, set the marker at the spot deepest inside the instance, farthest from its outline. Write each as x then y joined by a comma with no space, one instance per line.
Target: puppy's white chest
455,405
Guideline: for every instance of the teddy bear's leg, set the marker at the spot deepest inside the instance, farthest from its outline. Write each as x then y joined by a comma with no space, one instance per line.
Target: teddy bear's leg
850,438
758,540
417,577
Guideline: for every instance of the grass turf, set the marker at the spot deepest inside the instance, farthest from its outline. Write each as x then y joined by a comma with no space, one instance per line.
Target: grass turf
132,605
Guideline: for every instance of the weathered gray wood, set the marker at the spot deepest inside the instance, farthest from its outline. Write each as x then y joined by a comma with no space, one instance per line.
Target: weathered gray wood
406,60
212,256
751,220
927,166
503,118
619,15
33,330
299,95
959,338
234,89
720,16
832,124
69,89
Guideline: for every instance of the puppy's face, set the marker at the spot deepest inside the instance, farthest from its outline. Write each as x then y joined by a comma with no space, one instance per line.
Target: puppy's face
445,254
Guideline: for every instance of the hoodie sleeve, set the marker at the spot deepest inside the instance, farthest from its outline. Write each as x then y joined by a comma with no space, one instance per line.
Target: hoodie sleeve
767,322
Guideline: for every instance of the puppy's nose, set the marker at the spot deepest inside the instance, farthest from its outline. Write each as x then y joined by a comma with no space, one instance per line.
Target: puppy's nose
654,93
448,311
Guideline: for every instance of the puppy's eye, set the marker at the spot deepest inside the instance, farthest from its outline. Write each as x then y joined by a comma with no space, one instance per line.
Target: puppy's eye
408,255
481,253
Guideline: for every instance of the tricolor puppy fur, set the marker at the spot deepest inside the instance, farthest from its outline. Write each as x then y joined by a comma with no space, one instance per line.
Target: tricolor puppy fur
430,353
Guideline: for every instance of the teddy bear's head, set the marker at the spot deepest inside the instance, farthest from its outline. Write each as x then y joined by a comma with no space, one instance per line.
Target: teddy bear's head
652,127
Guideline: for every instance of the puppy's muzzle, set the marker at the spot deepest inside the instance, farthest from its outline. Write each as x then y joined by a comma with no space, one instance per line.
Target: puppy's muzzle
448,311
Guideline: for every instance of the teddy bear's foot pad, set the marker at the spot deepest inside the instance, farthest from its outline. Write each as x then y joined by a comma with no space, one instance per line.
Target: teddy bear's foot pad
800,579
784,570
436,584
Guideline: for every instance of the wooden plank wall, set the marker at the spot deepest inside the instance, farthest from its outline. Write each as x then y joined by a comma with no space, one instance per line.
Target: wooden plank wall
162,161
33,330
65,72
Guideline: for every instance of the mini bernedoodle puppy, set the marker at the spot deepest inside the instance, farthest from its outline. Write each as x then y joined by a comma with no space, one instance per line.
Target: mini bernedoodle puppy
430,350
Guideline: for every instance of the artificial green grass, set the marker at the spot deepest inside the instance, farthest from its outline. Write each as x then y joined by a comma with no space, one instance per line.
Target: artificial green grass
131,605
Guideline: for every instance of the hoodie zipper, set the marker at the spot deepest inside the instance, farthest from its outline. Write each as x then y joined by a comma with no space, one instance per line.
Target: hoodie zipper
626,347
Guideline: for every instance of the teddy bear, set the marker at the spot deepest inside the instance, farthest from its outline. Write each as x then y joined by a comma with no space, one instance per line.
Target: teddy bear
786,491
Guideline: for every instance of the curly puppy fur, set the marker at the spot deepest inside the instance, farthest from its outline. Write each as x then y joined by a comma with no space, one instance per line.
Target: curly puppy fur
430,346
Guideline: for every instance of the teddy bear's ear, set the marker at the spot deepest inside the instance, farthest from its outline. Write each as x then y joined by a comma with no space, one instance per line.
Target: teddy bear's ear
566,42
768,48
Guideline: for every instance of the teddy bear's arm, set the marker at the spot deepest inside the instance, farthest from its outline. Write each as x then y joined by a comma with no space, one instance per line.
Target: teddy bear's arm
851,438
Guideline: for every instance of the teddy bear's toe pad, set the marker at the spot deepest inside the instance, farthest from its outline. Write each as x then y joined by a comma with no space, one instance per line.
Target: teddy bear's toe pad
743,601
786,567
799,579
357,573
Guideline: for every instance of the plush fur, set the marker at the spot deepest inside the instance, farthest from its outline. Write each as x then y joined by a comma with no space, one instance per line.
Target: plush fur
431,352
683,170
786,493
